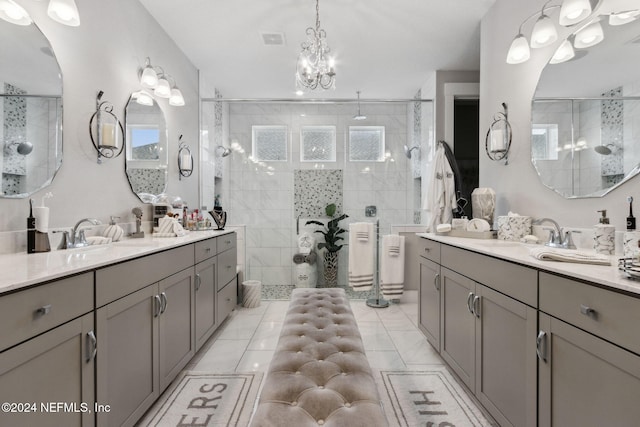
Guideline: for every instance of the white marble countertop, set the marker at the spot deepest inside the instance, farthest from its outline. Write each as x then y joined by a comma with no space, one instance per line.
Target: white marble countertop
21,269
608,276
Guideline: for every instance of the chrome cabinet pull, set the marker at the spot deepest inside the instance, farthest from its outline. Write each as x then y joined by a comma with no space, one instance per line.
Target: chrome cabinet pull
207,249
44,310
476,306
541,346
427,249
228,242
436,282
198,282
157,305
588,311
92,346
163,298
469,301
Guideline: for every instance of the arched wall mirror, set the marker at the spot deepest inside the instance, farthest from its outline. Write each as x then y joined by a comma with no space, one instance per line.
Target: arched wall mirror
147,150
585,132
30,110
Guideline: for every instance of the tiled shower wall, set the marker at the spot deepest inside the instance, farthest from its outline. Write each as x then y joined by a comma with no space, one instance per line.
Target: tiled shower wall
261,195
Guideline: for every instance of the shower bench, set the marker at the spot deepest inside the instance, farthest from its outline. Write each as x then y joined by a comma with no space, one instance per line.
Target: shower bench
319,373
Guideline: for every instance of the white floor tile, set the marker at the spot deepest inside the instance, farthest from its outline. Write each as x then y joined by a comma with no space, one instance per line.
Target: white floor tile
241,326
266,336
222,356
414,348
385,360
375,336
255,361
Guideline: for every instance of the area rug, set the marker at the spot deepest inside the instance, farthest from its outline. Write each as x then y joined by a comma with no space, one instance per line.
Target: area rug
206,399
430,398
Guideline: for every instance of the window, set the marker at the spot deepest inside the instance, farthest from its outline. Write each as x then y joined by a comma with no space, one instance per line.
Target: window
318,144
366,143
269,143
544,142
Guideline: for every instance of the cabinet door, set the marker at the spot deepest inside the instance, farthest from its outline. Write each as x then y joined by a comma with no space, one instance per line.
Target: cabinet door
205,291
585,381
57,366
429,295
227,300
506,358
457,328
177,334
127,362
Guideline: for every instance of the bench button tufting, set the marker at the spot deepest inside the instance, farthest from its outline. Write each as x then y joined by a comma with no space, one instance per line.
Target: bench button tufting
297,372
320,422
348,405
344,374
294,403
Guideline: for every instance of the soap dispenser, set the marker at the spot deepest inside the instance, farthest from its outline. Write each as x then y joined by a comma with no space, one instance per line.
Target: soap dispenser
113,230
604,236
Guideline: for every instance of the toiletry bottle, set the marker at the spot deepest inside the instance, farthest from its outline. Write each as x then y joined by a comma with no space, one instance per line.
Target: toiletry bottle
31,230
113,230
631,220
604,236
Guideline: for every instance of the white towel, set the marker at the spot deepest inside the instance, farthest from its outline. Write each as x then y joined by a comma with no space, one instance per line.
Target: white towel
392,266
98,240
361,255
568,255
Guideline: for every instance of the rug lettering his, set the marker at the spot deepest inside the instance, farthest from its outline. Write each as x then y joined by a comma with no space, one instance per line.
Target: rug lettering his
428,399
206,399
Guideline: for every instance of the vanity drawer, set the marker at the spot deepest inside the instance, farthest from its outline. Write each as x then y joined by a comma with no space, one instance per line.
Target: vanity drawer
122,279
614,316
226,242
227,262
206,249
226,302
429,249
27,313
517,281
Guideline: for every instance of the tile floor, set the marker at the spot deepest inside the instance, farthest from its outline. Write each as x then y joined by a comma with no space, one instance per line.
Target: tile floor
248,338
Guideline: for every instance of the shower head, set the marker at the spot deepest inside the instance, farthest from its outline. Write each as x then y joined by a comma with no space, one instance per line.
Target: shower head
225,151
24,147
605,150
407,150
359,116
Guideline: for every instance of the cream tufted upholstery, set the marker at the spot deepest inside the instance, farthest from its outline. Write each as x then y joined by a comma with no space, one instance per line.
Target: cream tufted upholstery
319,374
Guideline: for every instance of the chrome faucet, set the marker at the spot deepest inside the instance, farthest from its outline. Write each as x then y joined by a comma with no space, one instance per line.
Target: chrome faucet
558,238
76,239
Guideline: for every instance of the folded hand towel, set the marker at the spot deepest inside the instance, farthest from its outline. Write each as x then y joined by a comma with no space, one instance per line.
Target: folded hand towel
98,240
361,256
568,255
392,266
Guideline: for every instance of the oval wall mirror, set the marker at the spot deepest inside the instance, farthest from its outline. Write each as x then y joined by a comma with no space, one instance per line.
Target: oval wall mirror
30,110
147,157
585,133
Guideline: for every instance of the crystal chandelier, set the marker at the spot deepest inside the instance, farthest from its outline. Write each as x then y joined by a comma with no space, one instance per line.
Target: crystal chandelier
315,67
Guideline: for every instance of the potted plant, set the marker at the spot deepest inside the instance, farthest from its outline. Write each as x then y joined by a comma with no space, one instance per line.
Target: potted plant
332,237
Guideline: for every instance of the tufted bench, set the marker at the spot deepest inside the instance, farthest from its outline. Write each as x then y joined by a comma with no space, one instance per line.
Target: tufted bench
319,374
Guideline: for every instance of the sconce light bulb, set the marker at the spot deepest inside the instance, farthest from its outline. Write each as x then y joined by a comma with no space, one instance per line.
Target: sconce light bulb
519,51
574,11
13,13
589,36
64,12
149,78
544,32
564,53
163,89
176,99
623,17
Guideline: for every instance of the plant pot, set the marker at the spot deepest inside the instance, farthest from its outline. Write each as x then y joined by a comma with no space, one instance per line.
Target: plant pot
330,269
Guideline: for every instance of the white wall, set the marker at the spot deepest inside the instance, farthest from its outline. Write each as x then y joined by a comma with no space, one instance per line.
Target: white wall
106,53
517,185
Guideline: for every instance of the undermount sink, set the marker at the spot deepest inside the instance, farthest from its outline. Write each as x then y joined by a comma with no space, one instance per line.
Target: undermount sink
138,243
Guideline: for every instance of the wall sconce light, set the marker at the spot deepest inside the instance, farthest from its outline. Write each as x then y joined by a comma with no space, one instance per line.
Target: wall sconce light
64,12
162,84
185,159
106,131
142,97
13,13
498,140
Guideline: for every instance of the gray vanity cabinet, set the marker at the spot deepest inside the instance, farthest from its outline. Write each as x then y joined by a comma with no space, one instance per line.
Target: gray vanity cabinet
584,380
57,366
429,297
47,353
589,368
127,370
205,300
488,325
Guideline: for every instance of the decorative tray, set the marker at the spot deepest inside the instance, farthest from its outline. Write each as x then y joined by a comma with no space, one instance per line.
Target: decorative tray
470,234
630,267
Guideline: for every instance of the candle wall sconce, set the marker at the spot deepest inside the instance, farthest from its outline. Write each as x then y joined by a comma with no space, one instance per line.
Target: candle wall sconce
498,140
185,159
106,131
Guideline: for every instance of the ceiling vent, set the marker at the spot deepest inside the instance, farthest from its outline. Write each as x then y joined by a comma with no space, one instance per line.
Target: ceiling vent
273,39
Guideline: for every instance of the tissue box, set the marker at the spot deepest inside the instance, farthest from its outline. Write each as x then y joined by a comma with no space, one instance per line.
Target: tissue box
513,227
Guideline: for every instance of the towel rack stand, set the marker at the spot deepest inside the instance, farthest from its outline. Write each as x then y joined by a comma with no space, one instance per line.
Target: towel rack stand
379,301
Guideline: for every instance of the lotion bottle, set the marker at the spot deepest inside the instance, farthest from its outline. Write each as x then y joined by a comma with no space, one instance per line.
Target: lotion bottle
113,230
604,236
